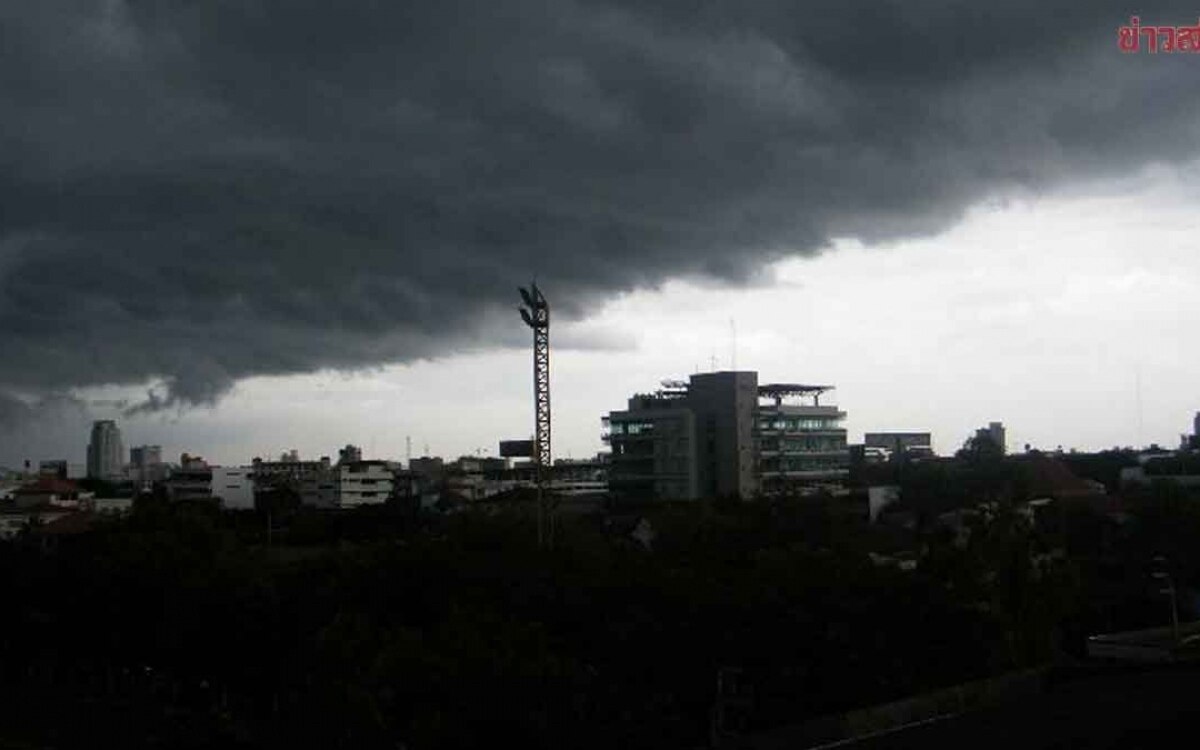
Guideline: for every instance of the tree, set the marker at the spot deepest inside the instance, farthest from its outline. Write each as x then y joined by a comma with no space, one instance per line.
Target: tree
980,448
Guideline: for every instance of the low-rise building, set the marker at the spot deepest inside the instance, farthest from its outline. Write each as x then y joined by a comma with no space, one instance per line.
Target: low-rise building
13,521
46,491
427,466
315,482
146,465
364,483
191,480
1181,469
57,468
899,446
233,486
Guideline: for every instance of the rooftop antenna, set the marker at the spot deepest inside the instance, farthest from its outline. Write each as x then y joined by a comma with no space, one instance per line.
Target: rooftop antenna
1138,397
732,345
408,449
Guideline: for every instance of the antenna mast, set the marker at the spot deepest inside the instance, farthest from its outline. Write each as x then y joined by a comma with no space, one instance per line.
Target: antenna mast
732,345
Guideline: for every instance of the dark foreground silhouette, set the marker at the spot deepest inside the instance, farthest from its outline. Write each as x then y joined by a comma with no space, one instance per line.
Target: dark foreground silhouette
178,626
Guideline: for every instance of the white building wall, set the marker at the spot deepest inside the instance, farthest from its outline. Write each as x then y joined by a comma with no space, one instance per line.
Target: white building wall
365,483
235,486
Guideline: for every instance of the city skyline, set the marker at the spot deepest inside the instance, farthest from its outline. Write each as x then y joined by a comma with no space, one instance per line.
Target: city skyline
1059,339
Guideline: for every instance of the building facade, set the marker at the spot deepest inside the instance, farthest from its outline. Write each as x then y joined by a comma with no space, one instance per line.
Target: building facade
364,483
897,446
999,436
801,443
653,444
146,464
56,468
104,451
192,480
315,482
233,486
721,434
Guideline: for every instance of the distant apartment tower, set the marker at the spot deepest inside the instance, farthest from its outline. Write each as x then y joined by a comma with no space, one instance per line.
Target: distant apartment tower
721,434
104,452
1191,442
995,430
145,463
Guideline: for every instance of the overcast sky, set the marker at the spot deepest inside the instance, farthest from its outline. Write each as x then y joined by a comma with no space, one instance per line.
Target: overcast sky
240,227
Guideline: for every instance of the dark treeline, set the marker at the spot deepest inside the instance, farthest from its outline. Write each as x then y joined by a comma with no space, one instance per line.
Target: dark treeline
179,626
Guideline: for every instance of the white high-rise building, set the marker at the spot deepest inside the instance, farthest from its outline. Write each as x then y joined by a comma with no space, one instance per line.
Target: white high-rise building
105,452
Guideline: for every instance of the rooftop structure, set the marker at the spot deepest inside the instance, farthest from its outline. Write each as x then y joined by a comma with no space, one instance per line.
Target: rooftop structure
900,445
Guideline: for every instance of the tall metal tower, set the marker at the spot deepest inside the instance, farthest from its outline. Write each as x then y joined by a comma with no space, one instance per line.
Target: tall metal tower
536,315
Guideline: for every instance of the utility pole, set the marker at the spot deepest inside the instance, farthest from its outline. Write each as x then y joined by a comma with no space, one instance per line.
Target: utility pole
536,314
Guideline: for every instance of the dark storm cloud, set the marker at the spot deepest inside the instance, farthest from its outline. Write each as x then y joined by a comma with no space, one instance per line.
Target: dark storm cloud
193,193
40,426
